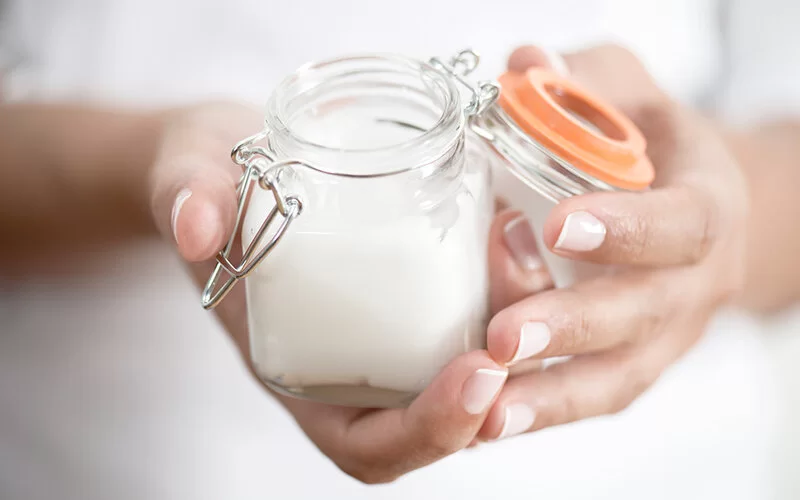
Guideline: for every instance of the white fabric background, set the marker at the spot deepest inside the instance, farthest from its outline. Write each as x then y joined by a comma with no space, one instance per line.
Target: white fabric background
115,384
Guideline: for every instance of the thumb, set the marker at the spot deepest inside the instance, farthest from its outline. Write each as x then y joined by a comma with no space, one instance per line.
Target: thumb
194,204
379,446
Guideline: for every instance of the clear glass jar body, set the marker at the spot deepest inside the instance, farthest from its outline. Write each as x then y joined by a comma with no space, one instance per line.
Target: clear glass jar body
382,279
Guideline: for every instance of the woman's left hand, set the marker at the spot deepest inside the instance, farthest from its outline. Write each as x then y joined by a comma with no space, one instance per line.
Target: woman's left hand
680,249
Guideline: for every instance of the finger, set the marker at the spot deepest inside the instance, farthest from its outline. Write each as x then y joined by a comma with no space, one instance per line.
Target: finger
379,446
530,56
516,270
583,387
670,226
194,202
524,366
500,205
673,225
589,317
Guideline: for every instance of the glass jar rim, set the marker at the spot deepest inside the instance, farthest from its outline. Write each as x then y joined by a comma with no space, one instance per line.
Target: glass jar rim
443,134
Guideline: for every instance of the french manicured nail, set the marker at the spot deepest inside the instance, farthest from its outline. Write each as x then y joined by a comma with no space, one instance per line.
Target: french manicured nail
521,243
534,337
557,61
183,195
581,232
519,417
481,388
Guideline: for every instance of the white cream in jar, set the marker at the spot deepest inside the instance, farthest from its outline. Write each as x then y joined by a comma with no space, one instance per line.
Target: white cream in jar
382,279
370,305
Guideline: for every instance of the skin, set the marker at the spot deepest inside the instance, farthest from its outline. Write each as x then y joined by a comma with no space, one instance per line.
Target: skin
684,246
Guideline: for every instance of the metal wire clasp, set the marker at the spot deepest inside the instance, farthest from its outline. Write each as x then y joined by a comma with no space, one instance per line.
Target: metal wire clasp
259,167
459,67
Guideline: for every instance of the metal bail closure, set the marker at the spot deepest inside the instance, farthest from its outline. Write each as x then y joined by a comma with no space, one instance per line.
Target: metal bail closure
459,67
259,168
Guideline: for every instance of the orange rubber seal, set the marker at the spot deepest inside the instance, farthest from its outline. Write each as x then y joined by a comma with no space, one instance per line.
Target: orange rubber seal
578,127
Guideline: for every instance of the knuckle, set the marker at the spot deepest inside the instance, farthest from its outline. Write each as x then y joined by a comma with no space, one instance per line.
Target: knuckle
582,330
437,441
575,326
659,120
569,411
654,310
705,233
634,237
634,380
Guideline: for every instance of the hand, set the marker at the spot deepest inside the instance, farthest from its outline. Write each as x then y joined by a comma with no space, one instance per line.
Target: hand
680,247
193,185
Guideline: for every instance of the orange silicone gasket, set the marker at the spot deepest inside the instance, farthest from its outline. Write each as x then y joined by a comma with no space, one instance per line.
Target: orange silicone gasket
553,110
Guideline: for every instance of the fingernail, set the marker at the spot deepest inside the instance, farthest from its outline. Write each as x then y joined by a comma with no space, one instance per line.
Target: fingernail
521,243
183,195
581,232
519,417
557,61
534,337
481,388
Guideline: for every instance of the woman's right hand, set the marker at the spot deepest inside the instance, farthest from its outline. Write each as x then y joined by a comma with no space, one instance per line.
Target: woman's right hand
193,193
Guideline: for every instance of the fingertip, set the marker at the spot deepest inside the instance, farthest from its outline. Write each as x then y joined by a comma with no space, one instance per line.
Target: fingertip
554,228
508,418
197,225
448,414
467,385
501,342
525,57
183,195
531,56
519,241
482,388
502,218
556,62
517,270
493,425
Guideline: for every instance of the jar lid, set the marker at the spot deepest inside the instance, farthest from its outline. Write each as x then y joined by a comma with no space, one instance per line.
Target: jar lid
577,127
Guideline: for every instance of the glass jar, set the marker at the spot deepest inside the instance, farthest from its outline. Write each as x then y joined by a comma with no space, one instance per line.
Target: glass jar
372,172
382,209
